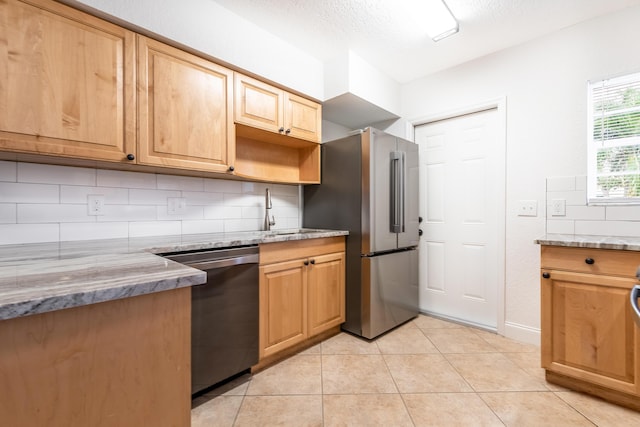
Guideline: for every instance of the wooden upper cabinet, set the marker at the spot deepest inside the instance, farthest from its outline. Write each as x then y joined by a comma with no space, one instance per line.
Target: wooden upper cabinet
302,117
185,109
67,82
266,107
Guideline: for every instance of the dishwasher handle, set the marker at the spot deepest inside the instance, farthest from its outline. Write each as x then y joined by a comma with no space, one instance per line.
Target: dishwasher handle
635,294
224,262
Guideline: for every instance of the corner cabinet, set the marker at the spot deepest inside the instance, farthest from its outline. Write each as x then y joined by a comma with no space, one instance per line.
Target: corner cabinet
302,291
68,83
278,133
590,341
184,110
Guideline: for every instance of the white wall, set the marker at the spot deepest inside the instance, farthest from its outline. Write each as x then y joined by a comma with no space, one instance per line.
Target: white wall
544,82
206,26
48,203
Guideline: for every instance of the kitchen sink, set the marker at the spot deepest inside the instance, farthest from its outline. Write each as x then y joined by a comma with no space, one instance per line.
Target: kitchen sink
290,231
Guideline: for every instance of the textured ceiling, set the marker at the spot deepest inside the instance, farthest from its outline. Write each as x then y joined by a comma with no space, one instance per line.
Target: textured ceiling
390,35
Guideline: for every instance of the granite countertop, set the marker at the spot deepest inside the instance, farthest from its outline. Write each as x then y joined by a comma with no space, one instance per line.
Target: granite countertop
587,241
37,278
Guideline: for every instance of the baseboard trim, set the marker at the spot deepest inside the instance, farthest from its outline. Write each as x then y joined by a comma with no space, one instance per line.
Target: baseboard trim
522,333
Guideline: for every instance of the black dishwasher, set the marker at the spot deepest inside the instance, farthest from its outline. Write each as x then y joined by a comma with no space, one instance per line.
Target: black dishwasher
224,314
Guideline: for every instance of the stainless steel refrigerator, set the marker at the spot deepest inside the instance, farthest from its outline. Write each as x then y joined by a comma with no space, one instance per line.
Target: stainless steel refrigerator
370,188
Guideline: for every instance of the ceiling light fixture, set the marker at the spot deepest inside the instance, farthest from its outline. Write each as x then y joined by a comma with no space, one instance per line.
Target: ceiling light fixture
440,21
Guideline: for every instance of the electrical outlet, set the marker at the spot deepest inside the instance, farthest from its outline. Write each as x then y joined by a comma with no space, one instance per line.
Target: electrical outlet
95,203
527,208
176,205
558,207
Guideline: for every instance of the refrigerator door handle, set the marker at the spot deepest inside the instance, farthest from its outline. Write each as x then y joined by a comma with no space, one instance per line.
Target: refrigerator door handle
397,192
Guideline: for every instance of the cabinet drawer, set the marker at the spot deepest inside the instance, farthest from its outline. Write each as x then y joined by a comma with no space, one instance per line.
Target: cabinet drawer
605,261
283,251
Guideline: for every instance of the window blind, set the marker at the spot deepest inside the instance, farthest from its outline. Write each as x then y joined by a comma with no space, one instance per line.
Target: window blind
614,139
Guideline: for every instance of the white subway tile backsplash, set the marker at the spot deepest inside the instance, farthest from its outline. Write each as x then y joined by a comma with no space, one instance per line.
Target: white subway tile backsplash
222,212
54,174
13,234
561,183
232,225
560,227
155,228
46,213
253,212
192,213
123,179
608,228
573,198
202,226
78,194
596,213
222,186
8,171
8,213
623,213
187,183
583,219
128,213
151,197
92,231
42,203
201,198
18,192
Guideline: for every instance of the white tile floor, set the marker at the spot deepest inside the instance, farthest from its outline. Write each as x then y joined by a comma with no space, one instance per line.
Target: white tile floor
427,372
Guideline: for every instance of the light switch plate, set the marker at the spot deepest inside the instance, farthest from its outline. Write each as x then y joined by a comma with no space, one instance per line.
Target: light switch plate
558,207
176,205
527,208
95,203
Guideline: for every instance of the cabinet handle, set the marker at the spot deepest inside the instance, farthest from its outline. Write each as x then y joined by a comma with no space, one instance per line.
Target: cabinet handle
281,130
231,168
546,275
590,261
306,262
288,131
131,157
313,261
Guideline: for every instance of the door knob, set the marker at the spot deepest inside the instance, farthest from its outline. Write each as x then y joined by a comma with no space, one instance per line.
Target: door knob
420,232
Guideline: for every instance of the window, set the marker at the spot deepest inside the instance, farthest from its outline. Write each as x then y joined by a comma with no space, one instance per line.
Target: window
614,140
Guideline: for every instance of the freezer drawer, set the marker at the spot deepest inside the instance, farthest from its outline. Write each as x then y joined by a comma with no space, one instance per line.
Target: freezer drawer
390,291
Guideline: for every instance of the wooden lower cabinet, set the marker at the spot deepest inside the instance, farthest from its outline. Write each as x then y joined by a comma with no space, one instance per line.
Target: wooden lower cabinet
118,363
301,291
589,339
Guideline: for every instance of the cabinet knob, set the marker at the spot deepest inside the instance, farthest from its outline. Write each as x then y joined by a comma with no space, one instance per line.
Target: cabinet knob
281,130
546,275
231,168
288,131
306,262
131,157
313,261
589,261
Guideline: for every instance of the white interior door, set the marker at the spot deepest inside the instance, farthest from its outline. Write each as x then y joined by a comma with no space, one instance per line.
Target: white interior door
462,169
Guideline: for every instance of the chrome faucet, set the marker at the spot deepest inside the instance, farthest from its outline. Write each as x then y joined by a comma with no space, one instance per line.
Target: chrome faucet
268,222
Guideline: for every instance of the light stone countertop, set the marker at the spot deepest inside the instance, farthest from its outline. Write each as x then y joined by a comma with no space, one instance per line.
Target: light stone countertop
594,242
42,277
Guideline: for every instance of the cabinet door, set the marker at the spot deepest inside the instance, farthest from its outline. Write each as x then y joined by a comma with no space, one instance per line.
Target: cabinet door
67,83
326,292
258,104
303,118
185,109
283,302
588,331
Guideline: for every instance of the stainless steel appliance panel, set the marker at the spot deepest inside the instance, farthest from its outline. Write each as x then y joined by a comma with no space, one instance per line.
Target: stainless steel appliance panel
224,314
409,236
390,291
382,199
